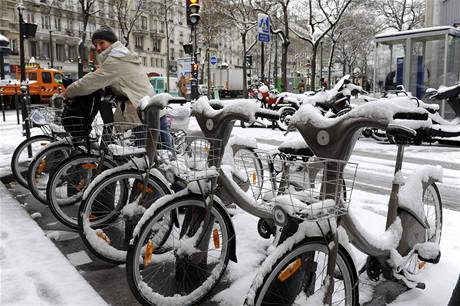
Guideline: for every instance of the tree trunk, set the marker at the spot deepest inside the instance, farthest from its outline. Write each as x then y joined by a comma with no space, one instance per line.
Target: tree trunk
167,47
313,66
208,72
329,65
284,67
245,77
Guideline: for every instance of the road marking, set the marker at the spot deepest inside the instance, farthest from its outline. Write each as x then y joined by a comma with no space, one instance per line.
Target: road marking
79,258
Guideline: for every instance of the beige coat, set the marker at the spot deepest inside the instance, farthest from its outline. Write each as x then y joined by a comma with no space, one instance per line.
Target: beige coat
122,71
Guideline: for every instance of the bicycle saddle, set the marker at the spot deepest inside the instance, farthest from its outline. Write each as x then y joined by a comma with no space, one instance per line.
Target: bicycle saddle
400,133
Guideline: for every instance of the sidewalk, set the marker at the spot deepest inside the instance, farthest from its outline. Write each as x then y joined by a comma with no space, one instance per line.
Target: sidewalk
32,270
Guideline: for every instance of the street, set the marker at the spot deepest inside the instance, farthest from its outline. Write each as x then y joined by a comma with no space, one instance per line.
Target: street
375,172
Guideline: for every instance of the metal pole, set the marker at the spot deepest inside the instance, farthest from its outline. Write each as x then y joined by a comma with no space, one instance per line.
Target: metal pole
262,60
194,87
321,61
24,86
51,49
2,65
3,104
275,68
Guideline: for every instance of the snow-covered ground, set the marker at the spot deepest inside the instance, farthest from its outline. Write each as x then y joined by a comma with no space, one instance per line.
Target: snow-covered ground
34,272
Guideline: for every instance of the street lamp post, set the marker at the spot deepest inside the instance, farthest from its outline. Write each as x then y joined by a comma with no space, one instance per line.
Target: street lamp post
51,50
24,86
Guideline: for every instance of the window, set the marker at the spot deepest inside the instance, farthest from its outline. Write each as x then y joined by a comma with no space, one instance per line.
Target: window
152,62
58,78
30,18
162,63
139,42
157,62
162,27
45,50
73,53
172,53
181,53
46,77
33,48
14,46
156,45
57,23
144,23
32,76
60,53
144,61
69,24
46,22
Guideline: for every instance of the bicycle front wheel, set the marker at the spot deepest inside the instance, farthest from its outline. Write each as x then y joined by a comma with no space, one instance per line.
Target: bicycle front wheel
43,166
178,271
103,225
65,188
299,277
20,160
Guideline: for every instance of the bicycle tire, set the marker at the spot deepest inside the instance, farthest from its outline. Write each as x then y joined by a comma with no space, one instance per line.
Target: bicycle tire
182,281
99,219
290,289
63,205
42,167
256,181
19,170
432,205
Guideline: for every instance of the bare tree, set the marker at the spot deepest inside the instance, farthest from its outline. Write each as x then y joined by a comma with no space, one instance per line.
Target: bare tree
243,18
86,7
127,16
167,7
400,15
322,18
209,30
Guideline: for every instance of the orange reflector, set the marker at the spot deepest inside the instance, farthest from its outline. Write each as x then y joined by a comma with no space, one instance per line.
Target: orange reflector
148,253
140,186
254,177
41,167
215,237
290,270
421,265
89,166
103,236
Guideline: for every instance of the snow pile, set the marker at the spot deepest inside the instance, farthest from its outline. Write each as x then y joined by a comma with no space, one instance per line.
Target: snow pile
160,100
118,150
240,107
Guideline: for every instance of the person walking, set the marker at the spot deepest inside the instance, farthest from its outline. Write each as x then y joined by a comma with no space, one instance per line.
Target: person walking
301,86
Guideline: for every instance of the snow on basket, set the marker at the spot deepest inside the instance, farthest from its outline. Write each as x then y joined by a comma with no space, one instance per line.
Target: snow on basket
192,158
81,132
47,118
124,138
307,188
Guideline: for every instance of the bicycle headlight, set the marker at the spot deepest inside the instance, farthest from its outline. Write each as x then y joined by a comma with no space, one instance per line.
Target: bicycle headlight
280,216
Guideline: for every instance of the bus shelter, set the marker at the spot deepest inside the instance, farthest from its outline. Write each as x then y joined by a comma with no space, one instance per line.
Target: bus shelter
418,59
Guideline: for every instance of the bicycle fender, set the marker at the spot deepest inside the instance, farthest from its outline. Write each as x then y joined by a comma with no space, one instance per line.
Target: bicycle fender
156,173
231,229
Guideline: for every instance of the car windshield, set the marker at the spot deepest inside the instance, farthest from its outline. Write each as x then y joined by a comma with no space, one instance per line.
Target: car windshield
58,78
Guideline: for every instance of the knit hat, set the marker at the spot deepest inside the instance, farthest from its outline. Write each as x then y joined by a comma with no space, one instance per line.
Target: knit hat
105,33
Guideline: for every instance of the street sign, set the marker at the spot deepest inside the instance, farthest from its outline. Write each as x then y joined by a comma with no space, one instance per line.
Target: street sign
263,28
213,60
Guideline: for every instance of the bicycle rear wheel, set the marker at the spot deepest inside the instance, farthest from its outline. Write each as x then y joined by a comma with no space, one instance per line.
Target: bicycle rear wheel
176,272
65,188
20,160
103,226
298,278
43,166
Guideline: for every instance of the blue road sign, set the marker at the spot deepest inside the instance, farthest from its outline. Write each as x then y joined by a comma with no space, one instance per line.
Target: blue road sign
263,27
213,60
262,37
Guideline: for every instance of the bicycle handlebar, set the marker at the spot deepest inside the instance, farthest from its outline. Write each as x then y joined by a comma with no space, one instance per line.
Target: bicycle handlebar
267,114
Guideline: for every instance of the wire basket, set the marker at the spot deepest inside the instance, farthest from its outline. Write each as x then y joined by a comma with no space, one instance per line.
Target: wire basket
124,138
191,158
308,188
47,118
80,132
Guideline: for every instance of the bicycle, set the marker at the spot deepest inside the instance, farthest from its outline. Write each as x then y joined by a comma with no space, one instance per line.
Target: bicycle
200,243
44,118
124,178
311,260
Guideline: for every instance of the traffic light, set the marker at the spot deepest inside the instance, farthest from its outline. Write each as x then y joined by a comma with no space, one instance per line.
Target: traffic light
249,60
193,11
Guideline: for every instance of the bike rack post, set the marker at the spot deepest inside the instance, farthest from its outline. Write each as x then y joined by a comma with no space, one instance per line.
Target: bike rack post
2,103
25,101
